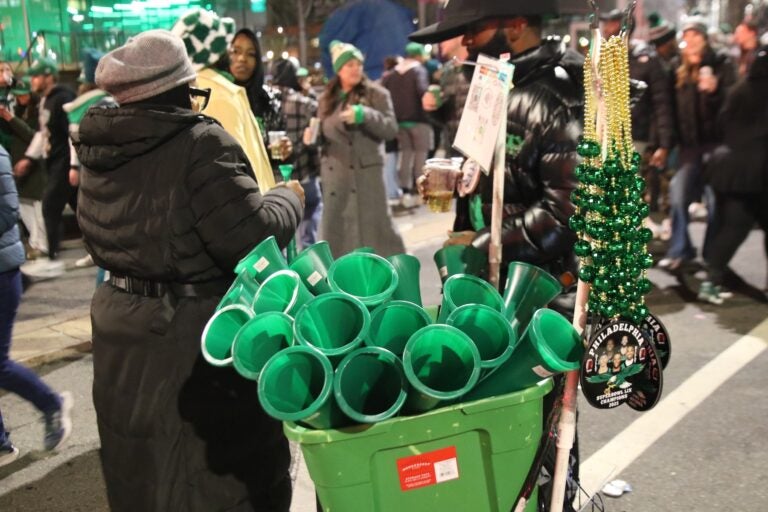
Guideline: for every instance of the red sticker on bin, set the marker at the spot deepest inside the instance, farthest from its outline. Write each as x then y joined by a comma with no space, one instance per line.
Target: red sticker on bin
428,468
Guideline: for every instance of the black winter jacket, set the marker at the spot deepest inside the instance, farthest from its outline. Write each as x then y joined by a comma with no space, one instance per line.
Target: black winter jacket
167,195
696,111
653,116
545,116
407,83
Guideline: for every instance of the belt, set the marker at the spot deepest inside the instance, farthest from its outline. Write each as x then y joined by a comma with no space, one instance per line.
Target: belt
148,288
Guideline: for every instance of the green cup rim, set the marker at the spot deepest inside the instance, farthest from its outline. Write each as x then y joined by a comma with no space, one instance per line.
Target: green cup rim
279,275
333,352
324,394
511,335
423,388
269,241
371,300
555,362
449,283
239,367
401,304
546,275
344,405
206,355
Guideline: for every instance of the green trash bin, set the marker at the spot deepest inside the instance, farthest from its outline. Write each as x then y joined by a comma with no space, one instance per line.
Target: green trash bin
472,456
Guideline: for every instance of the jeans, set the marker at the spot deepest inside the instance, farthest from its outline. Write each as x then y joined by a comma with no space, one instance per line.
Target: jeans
313,211
687,186
390,176
14,377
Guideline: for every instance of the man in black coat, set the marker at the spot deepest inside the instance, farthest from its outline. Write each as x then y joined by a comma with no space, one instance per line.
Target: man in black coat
544,123
168,205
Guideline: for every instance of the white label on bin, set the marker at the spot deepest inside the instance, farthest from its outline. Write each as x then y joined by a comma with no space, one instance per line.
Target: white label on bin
443,271
542,372
446,470
261,264
314,278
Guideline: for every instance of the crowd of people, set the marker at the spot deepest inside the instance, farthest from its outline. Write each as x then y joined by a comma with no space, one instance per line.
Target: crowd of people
176,170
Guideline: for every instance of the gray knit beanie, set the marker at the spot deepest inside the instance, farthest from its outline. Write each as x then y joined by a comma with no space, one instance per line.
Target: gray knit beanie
148,64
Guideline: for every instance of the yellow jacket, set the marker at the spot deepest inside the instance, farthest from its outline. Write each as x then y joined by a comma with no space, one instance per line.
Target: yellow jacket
229,106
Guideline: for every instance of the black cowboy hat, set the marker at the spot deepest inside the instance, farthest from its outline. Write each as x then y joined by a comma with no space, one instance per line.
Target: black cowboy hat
459,14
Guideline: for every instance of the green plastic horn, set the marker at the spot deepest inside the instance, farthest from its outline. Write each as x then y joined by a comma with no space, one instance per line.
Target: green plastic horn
260,338
333,323
312,265
264,260
464,289
296,384
220,331
549,345
460,259
368,277
242,291
528,289
408,285
442,364
283,292
370,385
489,330
393,323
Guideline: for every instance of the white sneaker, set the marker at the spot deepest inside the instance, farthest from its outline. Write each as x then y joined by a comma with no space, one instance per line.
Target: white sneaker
58,425
44,268
8,454
85,261
697,211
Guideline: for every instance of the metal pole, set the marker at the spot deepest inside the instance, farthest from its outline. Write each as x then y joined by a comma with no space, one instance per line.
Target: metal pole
302,32
27,31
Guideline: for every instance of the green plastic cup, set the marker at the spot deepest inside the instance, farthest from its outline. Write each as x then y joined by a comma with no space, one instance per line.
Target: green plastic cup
442,364
259,339
368,277
333,323
370,385
408,285
283,292
489,330
220,331
549,345
296,384
366,249
528,289
242,291
393,323
312,265
264,260
460,259
464,289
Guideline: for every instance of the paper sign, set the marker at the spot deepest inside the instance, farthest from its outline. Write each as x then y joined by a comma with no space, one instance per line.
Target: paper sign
485,111
428,468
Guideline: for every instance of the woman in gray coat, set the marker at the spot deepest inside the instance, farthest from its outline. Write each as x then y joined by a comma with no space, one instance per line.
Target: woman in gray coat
356,118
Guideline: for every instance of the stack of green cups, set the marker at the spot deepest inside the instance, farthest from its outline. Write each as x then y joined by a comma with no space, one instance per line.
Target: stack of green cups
220,331
528,289
242,291
460,259
462,289
408,286
312,264
489,330
264,260
283,291
368,277
259,339
393,323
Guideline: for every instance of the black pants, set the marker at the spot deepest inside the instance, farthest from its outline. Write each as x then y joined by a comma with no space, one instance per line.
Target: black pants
736,215
58,193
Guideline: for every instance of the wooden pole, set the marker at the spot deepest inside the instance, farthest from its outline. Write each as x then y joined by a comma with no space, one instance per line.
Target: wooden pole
497,206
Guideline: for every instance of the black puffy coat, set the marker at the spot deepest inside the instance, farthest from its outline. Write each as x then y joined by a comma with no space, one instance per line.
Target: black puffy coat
653,116
545,117
167,195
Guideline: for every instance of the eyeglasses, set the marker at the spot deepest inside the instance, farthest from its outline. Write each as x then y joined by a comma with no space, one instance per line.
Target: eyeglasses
235,52
199,98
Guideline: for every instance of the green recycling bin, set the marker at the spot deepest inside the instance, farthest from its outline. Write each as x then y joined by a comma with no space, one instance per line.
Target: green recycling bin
472,456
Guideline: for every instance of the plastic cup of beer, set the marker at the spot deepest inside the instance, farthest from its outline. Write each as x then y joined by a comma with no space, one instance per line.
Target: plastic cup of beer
436,93
439,183
276,144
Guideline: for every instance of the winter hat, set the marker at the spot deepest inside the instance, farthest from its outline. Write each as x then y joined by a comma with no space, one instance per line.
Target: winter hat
91,59
21,87
43,66
415,50
660,34
150,63
697,23
205,35
341,53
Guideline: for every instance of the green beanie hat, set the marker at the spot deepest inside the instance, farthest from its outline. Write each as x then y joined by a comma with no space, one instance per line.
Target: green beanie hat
341,53
205,35
415,50
21,87
43,66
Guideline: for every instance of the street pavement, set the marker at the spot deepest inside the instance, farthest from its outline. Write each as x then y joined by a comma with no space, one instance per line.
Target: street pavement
700,449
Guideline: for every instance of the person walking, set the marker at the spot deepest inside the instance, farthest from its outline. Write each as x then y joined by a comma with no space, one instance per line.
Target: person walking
17,379
356,117
169,205
738,174
52,143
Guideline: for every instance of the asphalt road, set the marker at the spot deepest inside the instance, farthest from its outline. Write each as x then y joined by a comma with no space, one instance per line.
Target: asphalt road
701,448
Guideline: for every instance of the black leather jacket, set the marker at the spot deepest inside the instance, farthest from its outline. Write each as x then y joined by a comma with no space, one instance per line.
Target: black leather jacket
545,118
